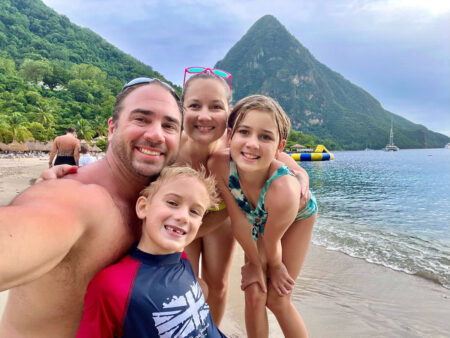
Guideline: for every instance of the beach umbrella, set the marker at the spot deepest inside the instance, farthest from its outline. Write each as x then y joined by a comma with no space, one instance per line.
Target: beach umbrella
296,147
16,146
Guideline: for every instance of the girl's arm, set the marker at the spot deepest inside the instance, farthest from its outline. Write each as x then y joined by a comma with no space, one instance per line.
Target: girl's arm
242,231
219,165
281,204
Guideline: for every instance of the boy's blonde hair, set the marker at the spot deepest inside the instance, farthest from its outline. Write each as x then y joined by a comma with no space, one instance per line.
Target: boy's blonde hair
263,103
184,171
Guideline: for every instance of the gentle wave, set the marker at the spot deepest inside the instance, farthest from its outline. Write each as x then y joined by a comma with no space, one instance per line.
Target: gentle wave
388,209
400,252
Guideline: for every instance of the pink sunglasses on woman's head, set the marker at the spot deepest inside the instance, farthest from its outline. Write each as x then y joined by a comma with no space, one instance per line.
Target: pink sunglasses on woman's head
217,72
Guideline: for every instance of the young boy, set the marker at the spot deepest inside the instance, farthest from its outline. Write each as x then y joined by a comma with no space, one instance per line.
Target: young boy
153,292
85,157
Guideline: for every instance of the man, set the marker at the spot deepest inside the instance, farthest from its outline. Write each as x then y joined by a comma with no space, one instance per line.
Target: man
67,149
58,234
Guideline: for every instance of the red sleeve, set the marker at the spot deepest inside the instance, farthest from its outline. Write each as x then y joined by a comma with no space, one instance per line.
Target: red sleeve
107,299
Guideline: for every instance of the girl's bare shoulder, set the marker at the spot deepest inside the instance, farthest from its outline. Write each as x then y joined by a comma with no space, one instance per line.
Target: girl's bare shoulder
286,186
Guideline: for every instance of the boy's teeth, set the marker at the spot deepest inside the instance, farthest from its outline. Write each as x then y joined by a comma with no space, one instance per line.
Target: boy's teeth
180,232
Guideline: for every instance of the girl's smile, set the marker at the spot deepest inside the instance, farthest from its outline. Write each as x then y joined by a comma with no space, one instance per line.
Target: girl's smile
255,142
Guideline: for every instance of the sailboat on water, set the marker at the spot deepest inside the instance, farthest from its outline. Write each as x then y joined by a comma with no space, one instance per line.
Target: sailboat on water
391,146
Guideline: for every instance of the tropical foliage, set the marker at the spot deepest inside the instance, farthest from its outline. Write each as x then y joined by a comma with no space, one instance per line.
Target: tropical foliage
54,74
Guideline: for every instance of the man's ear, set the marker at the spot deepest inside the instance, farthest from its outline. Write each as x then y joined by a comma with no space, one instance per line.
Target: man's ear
141,204
280,148
111,128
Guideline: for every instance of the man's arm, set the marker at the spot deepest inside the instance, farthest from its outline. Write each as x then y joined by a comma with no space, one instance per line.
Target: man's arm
76,152
39,228
53,152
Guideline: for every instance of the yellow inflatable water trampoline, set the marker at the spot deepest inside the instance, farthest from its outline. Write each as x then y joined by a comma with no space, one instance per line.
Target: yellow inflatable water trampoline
319,154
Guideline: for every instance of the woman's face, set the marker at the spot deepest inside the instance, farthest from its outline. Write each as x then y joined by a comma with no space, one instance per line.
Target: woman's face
205,110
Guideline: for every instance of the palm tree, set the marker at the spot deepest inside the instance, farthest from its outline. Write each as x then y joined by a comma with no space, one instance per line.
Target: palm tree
5,130
44,114
18,127
100,126
84,129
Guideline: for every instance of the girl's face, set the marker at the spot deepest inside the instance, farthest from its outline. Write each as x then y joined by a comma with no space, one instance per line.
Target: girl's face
255,142
205,110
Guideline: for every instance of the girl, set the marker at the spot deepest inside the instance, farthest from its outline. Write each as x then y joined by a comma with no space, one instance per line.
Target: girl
263,200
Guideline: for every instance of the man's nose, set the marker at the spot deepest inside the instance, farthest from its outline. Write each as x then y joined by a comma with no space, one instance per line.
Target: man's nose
154,133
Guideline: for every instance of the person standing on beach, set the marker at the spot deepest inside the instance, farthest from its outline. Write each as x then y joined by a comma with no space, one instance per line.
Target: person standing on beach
268,219
66,148
56,235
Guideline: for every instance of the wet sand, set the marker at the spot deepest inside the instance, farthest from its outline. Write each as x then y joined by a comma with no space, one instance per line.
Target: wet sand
337,295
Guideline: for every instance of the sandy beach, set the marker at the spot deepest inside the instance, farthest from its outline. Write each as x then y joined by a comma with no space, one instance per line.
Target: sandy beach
337,295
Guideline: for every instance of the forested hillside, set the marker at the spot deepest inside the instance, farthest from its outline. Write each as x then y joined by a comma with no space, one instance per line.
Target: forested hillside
54,74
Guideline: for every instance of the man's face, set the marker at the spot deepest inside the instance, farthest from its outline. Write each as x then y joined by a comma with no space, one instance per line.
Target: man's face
146,136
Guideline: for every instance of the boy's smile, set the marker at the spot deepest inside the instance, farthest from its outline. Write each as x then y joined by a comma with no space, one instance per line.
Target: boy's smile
172,215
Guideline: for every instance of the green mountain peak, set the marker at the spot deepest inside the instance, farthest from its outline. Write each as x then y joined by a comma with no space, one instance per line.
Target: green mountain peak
269,60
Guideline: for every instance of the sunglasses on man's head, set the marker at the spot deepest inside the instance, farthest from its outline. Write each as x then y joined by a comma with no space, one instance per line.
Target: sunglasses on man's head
140,80
214,71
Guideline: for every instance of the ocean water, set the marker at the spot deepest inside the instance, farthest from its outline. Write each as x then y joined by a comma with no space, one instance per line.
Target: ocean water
388,208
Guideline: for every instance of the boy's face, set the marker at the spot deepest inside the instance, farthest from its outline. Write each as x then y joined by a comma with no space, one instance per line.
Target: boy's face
171,216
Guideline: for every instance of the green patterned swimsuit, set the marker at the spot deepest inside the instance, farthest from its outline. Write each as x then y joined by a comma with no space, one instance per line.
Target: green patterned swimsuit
258,216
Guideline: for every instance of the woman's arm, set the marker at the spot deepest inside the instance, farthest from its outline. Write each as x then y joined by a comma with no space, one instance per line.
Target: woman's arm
301,175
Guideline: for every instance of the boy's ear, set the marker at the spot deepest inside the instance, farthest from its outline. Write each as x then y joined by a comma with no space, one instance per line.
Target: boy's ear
280,148
140,207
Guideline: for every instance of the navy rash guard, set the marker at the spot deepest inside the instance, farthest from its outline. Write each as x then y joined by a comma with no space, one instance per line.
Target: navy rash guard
146,295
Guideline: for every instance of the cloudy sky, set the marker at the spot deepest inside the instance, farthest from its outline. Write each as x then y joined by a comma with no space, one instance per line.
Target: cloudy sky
397,50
